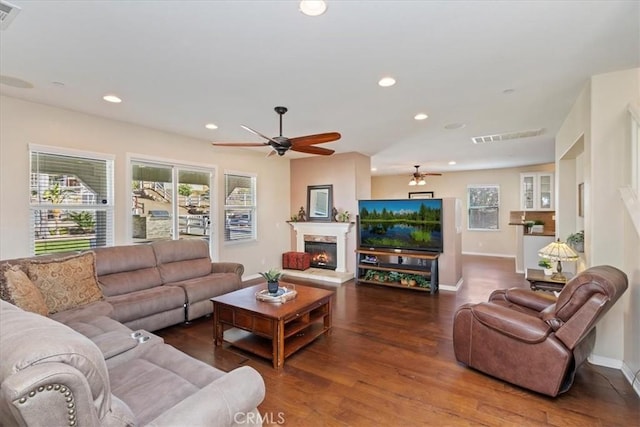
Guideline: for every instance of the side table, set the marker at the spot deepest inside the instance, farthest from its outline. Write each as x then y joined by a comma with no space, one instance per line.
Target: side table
539,281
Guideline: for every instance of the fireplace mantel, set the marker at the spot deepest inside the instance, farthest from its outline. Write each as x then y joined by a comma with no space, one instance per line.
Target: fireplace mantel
337,229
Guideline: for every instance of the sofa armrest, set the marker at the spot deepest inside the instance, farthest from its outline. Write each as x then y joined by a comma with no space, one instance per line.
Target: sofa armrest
41,395
513,323
227,267
224,402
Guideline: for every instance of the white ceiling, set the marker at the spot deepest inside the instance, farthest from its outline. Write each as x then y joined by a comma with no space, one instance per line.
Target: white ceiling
181,64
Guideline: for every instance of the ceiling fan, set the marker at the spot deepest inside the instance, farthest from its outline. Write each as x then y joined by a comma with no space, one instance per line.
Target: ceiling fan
418,177
282,144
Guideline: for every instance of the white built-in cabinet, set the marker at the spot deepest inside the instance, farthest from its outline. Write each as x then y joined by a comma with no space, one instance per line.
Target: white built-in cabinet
536,191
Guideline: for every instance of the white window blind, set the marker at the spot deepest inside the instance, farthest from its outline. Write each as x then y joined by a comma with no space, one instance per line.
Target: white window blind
70,201
239,207
484,205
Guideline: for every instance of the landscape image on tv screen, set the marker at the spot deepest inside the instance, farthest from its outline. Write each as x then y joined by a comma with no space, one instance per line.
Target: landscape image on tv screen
401,224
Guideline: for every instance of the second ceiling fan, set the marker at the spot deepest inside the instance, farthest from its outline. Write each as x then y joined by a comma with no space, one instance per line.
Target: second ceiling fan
281,144
418,177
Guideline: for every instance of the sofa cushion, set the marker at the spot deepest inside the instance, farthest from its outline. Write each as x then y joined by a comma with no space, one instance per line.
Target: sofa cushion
182,259
23,292
209,286
140,304
172,375
66,282
124,269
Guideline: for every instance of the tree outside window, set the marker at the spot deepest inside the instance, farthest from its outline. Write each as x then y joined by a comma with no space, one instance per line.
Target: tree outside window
484,203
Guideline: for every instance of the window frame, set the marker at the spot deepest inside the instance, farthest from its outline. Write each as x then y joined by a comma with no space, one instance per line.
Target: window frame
253,208
105,205
175,166
469,207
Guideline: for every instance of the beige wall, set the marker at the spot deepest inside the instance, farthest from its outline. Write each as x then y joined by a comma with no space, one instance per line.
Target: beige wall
454,184
598,130
25,122
348,173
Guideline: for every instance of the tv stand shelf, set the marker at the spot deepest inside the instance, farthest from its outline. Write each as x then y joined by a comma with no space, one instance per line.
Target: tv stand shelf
376,266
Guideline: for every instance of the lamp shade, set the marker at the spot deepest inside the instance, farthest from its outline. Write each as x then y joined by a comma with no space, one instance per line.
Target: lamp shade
558,251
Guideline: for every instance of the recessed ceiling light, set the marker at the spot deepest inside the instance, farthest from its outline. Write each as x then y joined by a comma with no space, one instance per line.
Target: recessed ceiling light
112,98
313,7
420,116
387,81
374,169
452,162
452,126
211,126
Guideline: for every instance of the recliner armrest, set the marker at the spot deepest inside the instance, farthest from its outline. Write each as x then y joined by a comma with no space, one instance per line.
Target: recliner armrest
224,402
227,267
510,322
536,301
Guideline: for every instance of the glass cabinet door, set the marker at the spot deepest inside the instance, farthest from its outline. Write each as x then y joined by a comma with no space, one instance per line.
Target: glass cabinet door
545,200
527,197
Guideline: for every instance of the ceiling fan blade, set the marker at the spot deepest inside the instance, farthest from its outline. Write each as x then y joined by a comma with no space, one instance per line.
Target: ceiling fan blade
312,150
255,132
314,139
239,144
431,174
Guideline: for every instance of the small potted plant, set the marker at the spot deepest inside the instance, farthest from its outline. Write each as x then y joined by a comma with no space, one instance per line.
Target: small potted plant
528,225
546,265
576,241
272,277
538,226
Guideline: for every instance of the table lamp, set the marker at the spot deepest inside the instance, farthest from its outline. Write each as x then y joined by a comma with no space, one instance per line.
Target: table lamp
558,251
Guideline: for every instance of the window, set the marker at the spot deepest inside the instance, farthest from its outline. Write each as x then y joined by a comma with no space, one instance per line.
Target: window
169,201
484,204
239,207
71,197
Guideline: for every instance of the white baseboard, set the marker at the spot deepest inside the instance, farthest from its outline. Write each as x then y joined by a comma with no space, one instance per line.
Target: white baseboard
487,254
609,362
451,288
628,374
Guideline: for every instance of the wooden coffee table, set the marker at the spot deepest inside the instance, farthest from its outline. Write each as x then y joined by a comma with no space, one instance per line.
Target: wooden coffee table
271,330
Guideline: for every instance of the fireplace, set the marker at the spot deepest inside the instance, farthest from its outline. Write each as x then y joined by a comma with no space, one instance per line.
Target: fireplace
323,254
326,232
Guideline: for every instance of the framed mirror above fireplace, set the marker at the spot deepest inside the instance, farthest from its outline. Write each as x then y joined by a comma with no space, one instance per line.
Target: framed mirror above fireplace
319,202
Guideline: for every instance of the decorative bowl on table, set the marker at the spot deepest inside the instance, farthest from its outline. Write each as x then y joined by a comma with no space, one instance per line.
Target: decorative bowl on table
283,294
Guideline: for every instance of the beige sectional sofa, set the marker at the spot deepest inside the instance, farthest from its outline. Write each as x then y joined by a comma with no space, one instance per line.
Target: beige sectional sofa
148,286
80,353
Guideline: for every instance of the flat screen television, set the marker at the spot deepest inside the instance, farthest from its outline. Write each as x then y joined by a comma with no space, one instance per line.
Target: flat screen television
403,224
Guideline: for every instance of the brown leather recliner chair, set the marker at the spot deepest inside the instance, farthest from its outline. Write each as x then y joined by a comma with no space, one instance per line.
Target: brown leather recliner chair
532,339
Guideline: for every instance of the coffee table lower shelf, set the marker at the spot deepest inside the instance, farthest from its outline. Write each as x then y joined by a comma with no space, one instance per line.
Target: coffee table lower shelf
263,346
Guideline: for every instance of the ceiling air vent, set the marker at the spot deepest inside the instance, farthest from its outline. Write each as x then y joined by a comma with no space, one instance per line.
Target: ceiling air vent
507,136
8,13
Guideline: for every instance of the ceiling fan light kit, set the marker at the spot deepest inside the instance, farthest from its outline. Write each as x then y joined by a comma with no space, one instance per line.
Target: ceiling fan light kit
418,177
281,144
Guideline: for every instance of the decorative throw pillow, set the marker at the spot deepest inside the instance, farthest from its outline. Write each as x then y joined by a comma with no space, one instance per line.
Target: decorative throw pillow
5,295
66,282
23,292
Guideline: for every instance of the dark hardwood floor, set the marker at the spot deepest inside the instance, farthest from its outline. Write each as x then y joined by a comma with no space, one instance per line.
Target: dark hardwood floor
389,361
